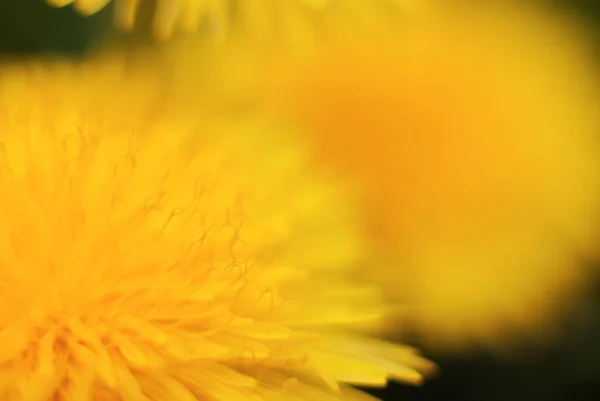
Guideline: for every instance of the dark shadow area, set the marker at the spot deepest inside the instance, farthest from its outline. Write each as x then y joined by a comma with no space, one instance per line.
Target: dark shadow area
31,27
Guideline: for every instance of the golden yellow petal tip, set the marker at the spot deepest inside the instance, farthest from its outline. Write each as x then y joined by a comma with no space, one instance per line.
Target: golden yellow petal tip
59,3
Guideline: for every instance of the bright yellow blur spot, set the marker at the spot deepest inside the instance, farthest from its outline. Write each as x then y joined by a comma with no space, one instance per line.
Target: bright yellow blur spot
474,132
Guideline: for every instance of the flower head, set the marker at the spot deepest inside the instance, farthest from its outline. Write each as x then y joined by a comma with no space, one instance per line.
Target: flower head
150,255
474,133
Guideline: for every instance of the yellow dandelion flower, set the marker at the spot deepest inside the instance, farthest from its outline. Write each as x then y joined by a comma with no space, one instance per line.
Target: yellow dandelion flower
296,19
475,136
148,255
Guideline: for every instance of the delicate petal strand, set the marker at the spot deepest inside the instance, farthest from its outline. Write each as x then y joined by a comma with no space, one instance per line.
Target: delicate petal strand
125,14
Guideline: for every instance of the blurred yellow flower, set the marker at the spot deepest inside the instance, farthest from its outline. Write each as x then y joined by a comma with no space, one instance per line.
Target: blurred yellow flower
168,14
475,135
153,255
292,20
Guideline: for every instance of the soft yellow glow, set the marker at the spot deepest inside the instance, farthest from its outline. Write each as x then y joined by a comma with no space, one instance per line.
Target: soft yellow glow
150,254
474,131
297,21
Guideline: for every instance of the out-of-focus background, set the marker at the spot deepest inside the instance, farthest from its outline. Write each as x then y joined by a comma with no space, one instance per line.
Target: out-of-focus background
565,371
